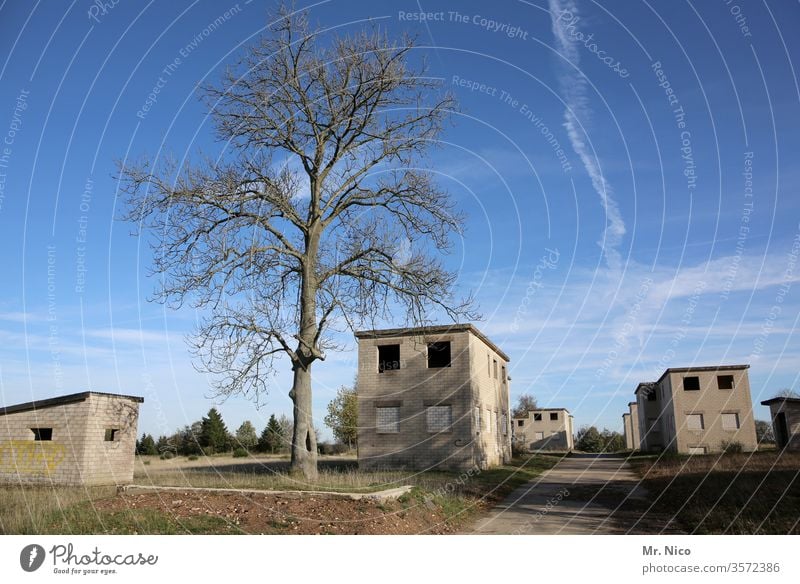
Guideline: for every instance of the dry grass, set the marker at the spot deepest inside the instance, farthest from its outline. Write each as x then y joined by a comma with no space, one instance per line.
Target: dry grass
456,496
28,509
732,493
767,461
272,473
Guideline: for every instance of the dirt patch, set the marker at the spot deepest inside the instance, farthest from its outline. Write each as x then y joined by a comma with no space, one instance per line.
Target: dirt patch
265,514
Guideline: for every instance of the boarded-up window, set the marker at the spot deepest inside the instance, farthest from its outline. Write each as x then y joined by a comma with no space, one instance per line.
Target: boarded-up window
387,420
730,421
504,424
477,420
439,418
697,450
538,436
694,422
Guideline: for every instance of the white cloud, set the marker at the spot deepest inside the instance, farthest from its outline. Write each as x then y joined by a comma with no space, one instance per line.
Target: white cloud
576,115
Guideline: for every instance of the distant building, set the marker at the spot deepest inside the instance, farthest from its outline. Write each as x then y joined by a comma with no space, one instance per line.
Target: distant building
630,425
696,410
785,414
545,429
84,438
430,397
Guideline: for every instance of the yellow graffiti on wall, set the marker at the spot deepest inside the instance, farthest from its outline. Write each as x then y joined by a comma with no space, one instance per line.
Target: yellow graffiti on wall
30,457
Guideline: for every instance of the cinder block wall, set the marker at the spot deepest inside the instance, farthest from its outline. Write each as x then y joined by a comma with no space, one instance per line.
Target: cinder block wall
712,402
60,460
413,388
792,412
78,453
109,462
491,397
556,434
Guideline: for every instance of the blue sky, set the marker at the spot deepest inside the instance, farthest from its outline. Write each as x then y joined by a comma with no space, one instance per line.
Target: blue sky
629,172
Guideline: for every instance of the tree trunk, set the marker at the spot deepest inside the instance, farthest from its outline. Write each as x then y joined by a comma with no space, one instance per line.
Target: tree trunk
304,439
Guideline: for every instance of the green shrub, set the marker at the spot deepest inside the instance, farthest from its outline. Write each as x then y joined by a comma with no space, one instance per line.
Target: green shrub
146,462
168,455
192,457
240,453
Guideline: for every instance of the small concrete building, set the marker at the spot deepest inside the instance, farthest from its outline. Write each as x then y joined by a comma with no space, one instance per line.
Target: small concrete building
84,438
697,410
785,415
433,396
545,429
630,425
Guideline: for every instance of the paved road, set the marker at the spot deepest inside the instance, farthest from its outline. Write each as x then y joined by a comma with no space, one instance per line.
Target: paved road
580,495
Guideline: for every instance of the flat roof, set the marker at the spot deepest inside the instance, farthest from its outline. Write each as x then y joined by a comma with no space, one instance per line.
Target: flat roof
430,330
699,369
773,400
62,400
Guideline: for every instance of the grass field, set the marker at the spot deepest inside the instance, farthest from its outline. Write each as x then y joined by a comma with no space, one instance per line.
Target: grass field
744,493
452,498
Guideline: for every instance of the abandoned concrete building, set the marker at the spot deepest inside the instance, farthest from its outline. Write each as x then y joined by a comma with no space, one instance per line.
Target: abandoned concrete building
697,410
84,438
785,415
545,429
433,396
630,425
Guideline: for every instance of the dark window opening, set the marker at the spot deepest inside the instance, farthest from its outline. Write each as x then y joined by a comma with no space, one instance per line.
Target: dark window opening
553,415
111,434
520,422
725,381
537,417
691,383
652,396
42,433
504,373
439,354
388,358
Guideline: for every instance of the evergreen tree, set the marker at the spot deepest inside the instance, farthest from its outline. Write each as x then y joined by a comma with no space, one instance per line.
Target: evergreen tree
214,435
146,445
246,436
272,439
162,445
589,440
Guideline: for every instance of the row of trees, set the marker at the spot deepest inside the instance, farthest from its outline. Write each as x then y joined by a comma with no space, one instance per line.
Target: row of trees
590,439
210,435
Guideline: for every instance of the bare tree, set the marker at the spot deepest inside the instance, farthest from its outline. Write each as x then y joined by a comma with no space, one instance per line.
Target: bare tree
318,216
525,402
